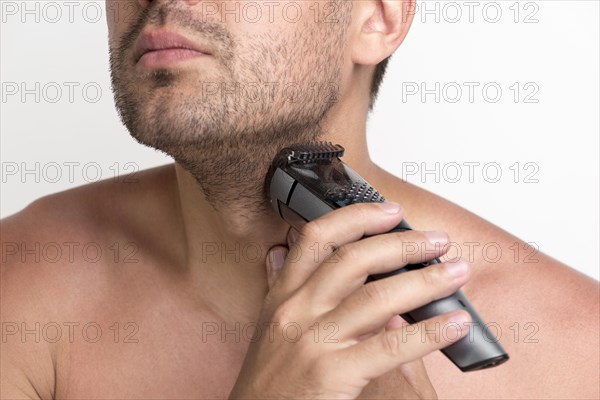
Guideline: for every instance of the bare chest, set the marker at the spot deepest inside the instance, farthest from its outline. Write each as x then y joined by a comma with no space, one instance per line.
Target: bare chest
155,355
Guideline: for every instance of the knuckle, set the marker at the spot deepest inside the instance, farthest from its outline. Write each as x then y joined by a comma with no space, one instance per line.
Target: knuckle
404,241
310,232
363,211
429,332
270,300
394,241
375,292
392,343
283,313
431,277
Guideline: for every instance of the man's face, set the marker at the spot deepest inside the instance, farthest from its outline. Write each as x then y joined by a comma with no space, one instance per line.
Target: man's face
260,71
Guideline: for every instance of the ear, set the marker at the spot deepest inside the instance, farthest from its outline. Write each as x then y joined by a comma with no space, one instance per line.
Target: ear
380,26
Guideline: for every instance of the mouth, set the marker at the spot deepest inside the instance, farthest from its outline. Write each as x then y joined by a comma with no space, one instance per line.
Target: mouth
162,48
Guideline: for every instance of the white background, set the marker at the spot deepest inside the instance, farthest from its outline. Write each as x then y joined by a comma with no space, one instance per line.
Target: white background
549,48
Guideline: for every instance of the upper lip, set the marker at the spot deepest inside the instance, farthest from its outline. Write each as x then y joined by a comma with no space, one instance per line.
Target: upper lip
162,39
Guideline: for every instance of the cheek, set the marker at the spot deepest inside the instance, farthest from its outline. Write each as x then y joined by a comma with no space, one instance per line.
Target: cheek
251,18
120,15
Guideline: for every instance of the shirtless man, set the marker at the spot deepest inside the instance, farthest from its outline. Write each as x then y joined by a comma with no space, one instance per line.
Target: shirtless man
151,286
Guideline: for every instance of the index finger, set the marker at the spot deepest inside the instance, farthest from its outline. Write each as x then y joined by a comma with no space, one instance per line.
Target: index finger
319,238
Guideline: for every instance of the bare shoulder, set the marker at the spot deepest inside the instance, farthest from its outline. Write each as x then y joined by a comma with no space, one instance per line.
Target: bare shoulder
75,224
59,257
545,313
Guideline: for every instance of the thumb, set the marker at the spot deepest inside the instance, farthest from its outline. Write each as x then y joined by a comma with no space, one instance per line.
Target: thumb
275,260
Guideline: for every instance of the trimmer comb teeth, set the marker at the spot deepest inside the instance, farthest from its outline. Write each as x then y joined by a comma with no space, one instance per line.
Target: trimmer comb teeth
308,152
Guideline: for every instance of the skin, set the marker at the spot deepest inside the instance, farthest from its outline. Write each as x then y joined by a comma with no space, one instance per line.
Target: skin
158,280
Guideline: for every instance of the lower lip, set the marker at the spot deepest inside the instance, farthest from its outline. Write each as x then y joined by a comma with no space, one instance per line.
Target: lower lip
167,57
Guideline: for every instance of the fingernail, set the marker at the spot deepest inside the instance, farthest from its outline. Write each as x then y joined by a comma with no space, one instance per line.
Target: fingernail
390,207
436,237
459,317
457,269
276,259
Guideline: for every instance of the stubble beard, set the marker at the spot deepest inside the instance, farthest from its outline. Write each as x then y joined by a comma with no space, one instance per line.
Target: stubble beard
213,123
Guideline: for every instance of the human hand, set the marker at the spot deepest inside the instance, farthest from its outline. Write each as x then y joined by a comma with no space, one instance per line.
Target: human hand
347,338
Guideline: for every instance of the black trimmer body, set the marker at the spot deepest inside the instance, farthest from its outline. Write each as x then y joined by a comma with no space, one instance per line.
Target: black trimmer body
308,180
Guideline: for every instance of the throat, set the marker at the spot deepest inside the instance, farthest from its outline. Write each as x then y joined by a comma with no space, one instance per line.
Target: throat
227,246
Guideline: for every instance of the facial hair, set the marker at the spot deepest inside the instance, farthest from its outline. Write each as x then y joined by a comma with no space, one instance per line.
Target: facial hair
268,92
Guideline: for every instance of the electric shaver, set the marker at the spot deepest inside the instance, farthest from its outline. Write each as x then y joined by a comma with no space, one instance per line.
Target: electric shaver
308,180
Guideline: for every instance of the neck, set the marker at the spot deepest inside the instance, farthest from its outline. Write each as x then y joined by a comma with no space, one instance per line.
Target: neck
227,244
226,247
